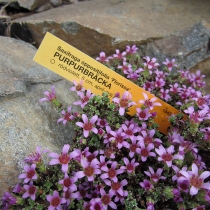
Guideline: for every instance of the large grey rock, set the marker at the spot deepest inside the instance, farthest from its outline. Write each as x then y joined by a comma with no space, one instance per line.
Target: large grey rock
27,4
31,4
24,122
98,25
189,46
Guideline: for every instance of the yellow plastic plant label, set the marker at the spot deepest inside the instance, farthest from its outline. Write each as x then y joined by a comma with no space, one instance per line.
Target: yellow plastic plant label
72,64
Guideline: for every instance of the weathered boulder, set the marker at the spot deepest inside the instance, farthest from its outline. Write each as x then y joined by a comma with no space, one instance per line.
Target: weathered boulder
24,122
56,3
26,4
189,46
31,4
98,25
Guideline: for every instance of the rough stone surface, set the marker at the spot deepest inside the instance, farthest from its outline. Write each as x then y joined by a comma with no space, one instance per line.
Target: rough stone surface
188,47
24,122
56,3
31,4
28,4
120,20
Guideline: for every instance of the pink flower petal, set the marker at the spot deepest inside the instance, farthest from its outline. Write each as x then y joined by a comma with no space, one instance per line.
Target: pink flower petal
122,111
85,119
206,186
65,167
66,148
124,182
193,190
79,174
84,163
53,155
120,191
205,174
195,169
95,130
86,133
113,205
93,119
80,124
54,161
49,197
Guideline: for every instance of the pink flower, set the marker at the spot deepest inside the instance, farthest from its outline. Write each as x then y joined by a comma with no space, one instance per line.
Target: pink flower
131,50
55,201
149,86
133,74
150,103
199,208
150,63
83,191
102,57
175,88
51,96
146,185
183,185
143,114
164,94
108,152
95,203
84,98
197,79
150,206
130,130
106,199
170,64
64,158
119,55
198,161
155,176
196,117
148,137
107,135
18,188
8,199
166,155
67,116
68,183
89,169
102,122
124,102
196,181
30,191
187,146
118,138
126,67
145,151
30,173
78,86
112,172
69,195
133,146
117,187
176,170
88,125
159,82
174,136
103,162
36,156
130,165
